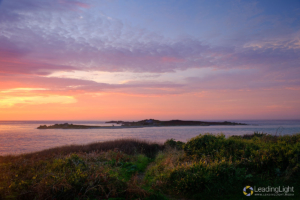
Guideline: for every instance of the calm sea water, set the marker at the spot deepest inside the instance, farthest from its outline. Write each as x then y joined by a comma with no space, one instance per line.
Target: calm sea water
22,136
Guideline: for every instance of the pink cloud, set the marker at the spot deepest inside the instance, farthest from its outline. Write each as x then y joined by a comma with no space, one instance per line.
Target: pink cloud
171,59
29,46
74,3
75,86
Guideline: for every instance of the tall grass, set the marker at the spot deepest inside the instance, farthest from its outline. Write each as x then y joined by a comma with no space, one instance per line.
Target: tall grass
98,170
207,166
128,146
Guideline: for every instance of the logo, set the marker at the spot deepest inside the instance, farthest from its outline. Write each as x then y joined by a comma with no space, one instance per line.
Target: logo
248,191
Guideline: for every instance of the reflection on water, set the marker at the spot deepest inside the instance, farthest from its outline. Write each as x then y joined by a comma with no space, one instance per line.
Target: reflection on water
22,136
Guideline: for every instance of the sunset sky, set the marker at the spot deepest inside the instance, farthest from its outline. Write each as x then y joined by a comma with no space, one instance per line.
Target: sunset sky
162,59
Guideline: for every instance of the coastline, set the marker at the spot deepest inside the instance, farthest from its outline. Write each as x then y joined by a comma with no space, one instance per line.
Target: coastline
148,170
125,127
33,139
142,124
92,127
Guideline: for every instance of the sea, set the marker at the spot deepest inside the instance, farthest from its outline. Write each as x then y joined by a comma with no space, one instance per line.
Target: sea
17,137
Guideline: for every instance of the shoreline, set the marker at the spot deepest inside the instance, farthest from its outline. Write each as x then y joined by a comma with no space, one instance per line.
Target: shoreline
150,170
124,127
141,124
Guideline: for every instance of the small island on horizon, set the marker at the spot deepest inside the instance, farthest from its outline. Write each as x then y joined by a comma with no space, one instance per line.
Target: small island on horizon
139,124
154,122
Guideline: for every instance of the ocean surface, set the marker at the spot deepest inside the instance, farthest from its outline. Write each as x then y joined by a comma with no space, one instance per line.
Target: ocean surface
22,136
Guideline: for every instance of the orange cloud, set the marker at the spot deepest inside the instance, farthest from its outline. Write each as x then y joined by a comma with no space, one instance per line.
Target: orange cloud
10,101
209,105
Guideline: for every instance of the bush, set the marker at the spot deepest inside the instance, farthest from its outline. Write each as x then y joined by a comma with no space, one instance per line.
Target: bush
174,144
218,147
206,144
213,164
217,178
206,167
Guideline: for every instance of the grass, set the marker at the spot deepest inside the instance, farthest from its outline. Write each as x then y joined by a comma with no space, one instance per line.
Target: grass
207,166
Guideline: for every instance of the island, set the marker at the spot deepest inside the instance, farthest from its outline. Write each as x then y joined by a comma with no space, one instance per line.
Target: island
154,122
115,122
139,124
72,126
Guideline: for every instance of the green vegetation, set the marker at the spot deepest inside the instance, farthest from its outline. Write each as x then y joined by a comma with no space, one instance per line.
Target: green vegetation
206,167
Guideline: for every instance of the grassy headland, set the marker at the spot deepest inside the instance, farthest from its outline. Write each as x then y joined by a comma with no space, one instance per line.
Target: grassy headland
206,167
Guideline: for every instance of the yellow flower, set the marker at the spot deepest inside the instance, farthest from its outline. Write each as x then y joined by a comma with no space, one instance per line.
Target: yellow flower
17,175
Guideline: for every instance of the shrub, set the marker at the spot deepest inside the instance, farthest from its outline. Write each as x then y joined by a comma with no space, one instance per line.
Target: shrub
213,164
174,144
207,166
217,178
206,144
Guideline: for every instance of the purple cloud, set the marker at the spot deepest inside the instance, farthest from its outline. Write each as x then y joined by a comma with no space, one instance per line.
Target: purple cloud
44,37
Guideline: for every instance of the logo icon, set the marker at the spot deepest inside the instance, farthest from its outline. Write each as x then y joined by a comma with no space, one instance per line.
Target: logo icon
248,191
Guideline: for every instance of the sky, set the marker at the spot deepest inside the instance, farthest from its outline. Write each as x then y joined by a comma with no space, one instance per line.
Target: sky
161,59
